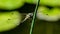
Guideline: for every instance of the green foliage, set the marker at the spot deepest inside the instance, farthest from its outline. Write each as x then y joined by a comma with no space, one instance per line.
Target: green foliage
11,4
9,20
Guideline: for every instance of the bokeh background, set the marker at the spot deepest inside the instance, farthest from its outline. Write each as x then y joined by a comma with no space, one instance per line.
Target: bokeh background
40,26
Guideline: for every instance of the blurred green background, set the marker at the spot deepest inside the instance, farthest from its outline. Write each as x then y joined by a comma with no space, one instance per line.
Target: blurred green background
40,26
44,27
23,28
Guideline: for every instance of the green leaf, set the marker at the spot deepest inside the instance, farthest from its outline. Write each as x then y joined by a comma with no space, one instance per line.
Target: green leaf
11,4
9,20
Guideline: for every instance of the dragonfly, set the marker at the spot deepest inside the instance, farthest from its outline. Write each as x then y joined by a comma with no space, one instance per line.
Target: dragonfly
32,15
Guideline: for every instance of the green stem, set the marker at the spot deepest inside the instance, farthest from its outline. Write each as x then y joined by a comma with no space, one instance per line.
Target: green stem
34,16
